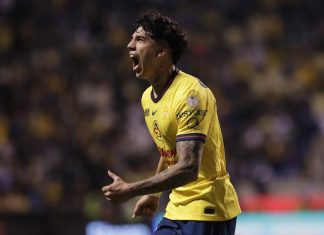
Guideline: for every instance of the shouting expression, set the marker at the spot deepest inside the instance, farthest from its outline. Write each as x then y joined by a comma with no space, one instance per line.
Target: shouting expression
145,53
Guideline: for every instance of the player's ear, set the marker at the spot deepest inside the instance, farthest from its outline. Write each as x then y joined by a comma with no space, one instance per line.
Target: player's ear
162,52
163,48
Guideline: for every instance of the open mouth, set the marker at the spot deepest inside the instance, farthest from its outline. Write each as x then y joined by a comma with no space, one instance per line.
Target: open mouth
135,61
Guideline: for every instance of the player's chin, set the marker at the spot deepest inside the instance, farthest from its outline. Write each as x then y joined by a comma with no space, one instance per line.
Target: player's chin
139,75
139,71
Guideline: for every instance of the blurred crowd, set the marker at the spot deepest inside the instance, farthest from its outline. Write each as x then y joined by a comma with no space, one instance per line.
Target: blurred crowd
70,104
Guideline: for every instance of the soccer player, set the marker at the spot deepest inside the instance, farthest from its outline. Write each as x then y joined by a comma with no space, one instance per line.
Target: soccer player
181,115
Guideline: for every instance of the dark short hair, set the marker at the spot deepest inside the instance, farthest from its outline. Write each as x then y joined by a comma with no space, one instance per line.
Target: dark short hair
161,27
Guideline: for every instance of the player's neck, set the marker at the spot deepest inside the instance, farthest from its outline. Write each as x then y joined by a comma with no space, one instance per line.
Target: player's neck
160,83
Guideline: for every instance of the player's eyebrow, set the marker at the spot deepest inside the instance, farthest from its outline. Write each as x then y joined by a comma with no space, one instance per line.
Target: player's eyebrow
140,36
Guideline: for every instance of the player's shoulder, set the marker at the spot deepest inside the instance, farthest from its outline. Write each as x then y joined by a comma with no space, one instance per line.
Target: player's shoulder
188,83
146,94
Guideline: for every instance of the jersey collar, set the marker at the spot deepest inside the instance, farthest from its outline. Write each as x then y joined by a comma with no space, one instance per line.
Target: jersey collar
168,84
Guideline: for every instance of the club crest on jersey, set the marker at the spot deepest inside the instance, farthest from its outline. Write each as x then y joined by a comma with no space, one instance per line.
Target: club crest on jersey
192,101
157,131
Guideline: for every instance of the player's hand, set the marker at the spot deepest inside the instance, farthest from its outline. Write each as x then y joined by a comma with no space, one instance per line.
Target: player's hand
146,206
117,191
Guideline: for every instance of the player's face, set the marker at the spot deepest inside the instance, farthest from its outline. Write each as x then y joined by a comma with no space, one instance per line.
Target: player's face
143,51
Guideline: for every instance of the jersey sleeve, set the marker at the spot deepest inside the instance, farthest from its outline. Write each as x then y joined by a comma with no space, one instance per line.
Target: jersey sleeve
192,115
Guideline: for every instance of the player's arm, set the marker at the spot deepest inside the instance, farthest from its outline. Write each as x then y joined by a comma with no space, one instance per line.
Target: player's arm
161,167
148,204
183,172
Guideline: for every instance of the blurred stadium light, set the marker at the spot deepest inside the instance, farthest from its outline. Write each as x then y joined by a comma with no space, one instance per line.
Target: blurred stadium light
103,228
297,223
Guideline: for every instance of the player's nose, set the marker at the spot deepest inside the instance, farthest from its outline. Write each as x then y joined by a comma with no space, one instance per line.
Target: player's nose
131,45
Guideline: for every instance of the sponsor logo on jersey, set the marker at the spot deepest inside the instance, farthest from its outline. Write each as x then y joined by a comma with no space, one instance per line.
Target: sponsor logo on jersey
169,155
191,112
192,123
154,112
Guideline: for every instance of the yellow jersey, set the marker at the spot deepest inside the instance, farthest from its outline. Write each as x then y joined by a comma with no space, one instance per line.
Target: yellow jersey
187,111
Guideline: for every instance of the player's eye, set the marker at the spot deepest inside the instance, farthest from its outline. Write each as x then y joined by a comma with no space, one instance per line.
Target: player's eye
139,38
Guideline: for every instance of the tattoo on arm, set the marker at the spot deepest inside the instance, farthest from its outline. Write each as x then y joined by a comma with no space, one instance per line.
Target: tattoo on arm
183,172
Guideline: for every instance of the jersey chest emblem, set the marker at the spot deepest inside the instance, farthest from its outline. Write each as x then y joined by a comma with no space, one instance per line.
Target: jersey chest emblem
157,132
